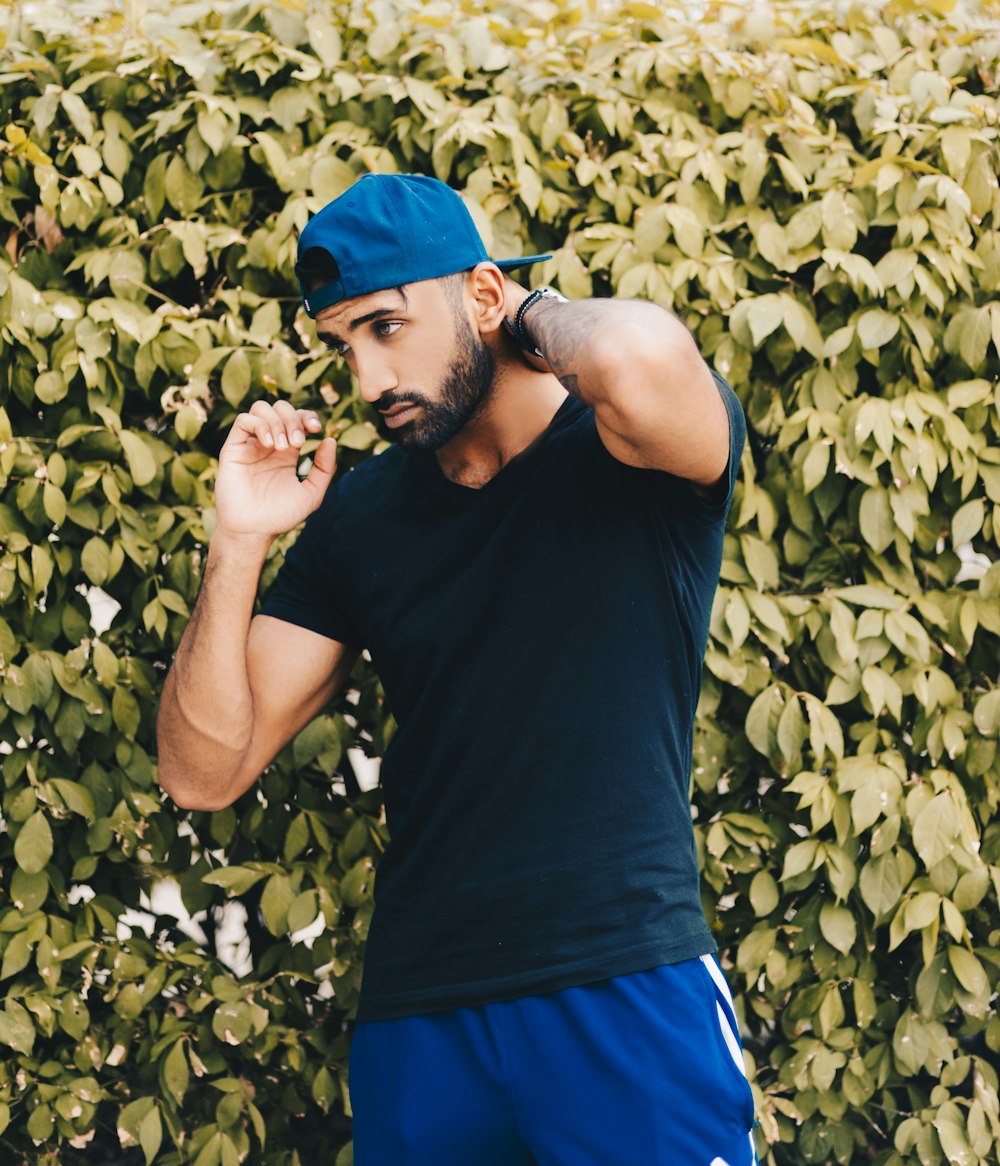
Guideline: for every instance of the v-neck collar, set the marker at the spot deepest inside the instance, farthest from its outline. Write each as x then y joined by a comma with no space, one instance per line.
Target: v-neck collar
430,469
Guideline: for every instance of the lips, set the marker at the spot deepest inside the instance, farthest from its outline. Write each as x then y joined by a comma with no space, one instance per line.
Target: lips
399,415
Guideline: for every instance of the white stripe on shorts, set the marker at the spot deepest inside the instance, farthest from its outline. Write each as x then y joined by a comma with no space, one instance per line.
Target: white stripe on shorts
731,1037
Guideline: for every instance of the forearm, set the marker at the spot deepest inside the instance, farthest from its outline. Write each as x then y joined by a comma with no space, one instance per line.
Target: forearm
606,350
205,719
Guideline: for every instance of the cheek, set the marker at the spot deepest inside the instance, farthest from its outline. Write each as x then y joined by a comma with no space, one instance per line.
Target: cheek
424,363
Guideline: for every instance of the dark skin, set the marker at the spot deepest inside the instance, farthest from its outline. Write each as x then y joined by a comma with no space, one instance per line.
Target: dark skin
242,686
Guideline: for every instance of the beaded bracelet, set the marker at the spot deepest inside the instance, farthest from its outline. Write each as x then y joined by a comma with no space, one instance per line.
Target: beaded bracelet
518,328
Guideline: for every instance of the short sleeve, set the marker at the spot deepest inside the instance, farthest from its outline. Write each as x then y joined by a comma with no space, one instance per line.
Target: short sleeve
305,591
685,502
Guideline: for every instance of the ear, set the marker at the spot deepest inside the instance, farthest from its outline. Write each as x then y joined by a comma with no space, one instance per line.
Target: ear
486,290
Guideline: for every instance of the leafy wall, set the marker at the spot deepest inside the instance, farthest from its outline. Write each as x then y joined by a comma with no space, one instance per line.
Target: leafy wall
813,189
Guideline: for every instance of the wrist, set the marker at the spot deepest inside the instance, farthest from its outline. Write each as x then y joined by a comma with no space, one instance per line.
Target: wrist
249,548
520,329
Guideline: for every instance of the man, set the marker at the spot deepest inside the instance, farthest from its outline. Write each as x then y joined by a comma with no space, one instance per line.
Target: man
531,567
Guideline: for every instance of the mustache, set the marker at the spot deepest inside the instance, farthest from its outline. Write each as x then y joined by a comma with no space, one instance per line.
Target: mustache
393,398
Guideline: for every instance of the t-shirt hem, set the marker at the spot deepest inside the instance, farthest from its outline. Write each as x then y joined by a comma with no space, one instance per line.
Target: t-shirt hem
396,1005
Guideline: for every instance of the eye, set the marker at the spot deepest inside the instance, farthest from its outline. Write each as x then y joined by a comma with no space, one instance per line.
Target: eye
385,328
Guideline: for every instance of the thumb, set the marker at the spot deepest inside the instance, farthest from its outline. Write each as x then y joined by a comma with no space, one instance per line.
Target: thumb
324,466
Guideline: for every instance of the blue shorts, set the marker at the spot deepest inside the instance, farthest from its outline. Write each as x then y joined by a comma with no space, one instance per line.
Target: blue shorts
640,1070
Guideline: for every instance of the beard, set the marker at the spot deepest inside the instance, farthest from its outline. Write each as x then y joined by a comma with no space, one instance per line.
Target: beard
465,389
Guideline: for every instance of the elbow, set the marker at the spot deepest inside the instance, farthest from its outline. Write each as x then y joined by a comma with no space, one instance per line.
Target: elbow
189,793
186,799
643,357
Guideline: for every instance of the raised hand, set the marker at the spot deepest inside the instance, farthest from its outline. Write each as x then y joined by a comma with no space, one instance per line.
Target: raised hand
514,296
257,492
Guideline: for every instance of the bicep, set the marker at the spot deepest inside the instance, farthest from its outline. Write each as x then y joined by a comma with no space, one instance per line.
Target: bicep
293,673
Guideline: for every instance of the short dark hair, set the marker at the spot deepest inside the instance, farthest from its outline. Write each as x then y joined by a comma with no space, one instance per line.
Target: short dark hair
454,285
317,268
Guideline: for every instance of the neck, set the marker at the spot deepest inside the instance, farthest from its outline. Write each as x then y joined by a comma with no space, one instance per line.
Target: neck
518,411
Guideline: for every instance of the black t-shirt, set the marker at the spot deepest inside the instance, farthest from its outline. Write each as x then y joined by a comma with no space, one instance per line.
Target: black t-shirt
540,642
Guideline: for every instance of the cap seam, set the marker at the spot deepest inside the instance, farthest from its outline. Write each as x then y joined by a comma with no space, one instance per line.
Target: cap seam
399,223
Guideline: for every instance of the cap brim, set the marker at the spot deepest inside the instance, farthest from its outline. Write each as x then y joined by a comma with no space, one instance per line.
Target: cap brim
505,264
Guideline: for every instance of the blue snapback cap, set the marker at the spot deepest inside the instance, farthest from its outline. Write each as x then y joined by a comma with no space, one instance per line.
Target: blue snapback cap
393,229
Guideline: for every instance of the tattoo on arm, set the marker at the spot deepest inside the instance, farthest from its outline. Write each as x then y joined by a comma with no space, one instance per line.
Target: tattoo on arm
562,331
565,334
570,335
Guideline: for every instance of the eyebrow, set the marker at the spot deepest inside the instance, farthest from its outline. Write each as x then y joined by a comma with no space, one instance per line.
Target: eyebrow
367,318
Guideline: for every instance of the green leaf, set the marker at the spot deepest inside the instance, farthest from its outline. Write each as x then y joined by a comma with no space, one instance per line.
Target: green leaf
815,466
935,830
881,884
877,524
303,911
799,858
361,436
986,714
141,462
761,721
922,910
935,990
131,1118
355,886
971,888
33,844
231,1022
974,337
16,955
237,880
876,328
236,376
969,971
838,927
188,422
324,1089
17,1030
324,39
96,560
766,313
50,387
75,797
764,893
182,188
968,521
792,732
78,113
39,1124
211,1152
151,1135
754,949
125,711
297,838
275,902
910,1042
174,1073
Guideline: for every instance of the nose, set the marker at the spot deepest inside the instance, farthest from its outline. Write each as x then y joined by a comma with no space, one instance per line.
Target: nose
375,376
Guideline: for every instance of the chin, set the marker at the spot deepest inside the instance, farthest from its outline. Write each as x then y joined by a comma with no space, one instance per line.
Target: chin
413,436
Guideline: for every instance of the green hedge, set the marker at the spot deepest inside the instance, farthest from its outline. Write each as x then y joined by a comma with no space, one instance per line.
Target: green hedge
818,200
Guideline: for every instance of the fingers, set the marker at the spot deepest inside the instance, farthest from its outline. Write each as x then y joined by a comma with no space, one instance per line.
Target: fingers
323,468
278,426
